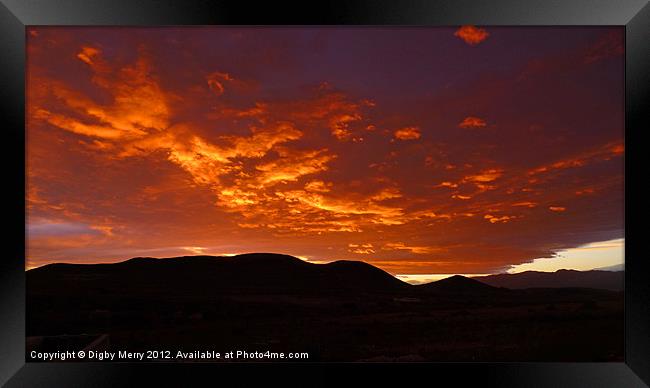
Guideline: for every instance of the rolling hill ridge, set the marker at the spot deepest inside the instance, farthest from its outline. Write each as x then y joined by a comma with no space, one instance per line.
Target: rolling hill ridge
605,280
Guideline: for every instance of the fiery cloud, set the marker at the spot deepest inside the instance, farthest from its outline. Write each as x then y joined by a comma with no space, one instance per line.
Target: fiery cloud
87,54
138,104
472,35
602,153
408,133
293,165
472,122
497,219
318,186
484,176
361,249
400,246
525,204
448,184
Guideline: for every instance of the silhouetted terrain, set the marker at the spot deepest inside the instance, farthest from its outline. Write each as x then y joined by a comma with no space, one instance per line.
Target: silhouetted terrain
460,285
250,273
342,311
606,280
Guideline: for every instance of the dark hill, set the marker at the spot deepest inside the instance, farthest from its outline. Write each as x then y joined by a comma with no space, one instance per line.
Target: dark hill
372,278
200,277
459,285
606,280
341,311
191,275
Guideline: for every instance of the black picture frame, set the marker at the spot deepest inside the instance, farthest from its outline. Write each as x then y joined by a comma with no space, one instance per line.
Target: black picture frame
15,15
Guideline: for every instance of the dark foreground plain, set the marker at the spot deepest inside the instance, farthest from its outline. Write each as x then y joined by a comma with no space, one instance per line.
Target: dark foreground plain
342,311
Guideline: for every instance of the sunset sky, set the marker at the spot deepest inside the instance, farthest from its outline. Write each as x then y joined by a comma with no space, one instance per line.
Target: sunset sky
419,150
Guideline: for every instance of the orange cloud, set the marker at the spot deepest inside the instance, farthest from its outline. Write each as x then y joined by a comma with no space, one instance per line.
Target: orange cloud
78,127
318,186
340,124
400,246
471,35
472,122
615,150
138,107
216,81
447,184
557,208
387,193
87,54
373,212
525,204
292,165
361,249
345,119
484,176
407,133
496,219
603,153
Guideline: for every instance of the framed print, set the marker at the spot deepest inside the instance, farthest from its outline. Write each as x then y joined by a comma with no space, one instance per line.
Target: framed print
386,190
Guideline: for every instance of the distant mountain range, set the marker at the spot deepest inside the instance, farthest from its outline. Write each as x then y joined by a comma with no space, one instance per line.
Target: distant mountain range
341,311
617,267
600,279
276,273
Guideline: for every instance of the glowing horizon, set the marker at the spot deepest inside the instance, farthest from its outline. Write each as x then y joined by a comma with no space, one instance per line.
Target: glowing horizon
321,144
608,254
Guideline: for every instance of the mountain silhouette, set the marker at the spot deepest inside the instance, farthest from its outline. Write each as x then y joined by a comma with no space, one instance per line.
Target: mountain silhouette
256,272
459,285
606,280
340,311
278,273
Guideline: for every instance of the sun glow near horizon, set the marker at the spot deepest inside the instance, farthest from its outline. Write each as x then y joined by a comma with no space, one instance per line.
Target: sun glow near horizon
592,256
585,257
